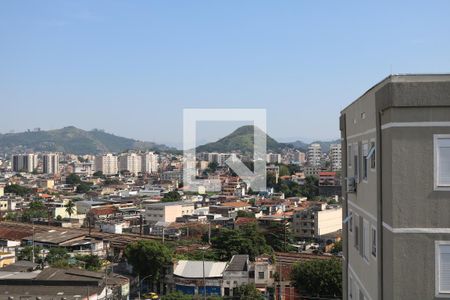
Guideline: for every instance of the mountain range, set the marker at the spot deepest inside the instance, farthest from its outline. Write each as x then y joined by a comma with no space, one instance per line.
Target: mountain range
73,140
78,141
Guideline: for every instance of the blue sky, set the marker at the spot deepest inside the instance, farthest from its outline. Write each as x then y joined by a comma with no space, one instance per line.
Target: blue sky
131,67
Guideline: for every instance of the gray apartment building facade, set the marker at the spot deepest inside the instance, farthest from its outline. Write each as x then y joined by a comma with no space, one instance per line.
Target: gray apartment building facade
396,212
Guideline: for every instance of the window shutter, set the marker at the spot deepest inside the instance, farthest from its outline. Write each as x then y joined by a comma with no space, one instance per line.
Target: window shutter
366,239
444,268
443,162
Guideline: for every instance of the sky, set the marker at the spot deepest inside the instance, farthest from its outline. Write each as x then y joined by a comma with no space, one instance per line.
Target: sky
131,67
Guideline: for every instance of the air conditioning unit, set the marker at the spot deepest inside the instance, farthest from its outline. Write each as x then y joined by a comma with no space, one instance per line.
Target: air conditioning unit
351,185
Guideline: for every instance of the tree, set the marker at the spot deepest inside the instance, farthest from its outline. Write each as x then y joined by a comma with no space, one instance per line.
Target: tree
148,258
70,208
311,187
18,190
279,237
73,179
90,262
245,214
27,253
212,167
318,277
337,247
248,292
36,210
98,174
246,240
83,187
171,196
58,257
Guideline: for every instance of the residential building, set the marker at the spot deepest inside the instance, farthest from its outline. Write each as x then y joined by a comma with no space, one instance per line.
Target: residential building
2,190
317,220
50,163
273,158
149,162
25,162
107,164
130,162
167,211
314,154
299,157
396,158
335,156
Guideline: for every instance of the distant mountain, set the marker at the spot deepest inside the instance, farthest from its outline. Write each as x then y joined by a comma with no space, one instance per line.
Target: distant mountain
241,140
325,145
72,140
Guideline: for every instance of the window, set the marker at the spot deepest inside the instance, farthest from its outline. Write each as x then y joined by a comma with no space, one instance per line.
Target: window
365,152
356,234
371,156
349,156
260,275
366,233
355,163
442,267
374,242
442,161
350,287
350,222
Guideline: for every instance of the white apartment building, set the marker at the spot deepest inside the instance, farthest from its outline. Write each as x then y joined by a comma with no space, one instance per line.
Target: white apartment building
149,162
317,220
273,158
335,157
314,154
50,163
25,162
107,164
167,211
131,162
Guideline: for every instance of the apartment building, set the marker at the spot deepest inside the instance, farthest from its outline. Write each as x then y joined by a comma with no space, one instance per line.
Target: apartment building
24,162
149,162
314,154
167,211
299,157
335,155
107,164
396,158
273,158
50,163
130,162
317,220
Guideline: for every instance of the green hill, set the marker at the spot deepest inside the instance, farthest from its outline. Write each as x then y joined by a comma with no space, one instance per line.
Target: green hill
72,140
241,140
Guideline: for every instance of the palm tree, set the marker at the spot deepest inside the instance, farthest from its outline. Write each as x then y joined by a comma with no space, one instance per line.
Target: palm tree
70,208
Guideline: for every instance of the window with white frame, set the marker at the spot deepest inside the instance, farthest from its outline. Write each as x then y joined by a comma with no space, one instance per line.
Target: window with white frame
371,156
442,268
350,222
350,287
349,156
365,152
442,161
367,244
374,241
356,231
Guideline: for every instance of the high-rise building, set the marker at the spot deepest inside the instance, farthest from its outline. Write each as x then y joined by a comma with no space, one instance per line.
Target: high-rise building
273,158
107,164
50,163
314,154
335,155
299,157
25,162
149,162
130,162
396,159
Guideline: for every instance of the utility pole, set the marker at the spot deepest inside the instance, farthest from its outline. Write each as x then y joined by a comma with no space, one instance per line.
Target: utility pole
209,233
32,255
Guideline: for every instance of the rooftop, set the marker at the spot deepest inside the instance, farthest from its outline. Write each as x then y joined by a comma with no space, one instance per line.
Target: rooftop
194,269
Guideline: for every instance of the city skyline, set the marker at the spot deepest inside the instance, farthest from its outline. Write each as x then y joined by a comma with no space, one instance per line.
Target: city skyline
131,68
